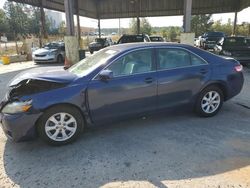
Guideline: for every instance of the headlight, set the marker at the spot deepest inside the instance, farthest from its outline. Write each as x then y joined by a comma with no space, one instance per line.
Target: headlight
227,53
17,107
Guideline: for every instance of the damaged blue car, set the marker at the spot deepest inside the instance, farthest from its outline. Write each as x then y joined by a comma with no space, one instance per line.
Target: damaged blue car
116,82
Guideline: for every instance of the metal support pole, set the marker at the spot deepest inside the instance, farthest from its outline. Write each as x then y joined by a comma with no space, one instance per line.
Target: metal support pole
187,15
69,12
43,21
138,25
78,21
99,27
235,23
119,31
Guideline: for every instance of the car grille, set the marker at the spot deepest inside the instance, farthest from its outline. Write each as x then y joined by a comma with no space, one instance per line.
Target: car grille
37,55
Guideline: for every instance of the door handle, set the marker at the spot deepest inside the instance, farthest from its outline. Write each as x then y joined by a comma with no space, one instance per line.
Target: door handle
203,71
149,80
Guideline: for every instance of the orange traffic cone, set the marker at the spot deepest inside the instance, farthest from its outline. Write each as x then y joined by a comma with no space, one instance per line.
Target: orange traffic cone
67,63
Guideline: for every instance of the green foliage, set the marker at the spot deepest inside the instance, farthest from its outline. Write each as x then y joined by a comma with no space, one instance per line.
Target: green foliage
17,18
145,26
20,20
226,28
201,24
4,26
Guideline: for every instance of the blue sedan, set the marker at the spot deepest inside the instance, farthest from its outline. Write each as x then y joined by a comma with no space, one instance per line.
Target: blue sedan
117,82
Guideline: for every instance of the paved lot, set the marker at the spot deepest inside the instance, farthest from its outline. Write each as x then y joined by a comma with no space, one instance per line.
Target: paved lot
167,150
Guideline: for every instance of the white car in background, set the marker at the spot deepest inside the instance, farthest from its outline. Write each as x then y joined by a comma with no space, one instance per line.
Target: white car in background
53,52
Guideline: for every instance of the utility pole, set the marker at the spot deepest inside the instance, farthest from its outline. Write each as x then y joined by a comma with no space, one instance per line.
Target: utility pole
235,23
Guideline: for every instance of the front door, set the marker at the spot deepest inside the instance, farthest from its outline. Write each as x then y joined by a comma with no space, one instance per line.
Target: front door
132,90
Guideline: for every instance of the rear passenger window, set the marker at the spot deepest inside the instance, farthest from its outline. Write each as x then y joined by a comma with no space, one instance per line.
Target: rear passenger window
197,61
173,58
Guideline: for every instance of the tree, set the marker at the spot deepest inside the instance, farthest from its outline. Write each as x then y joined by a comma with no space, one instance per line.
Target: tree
62,28
201,24
4,27
17,19
34,21
145,26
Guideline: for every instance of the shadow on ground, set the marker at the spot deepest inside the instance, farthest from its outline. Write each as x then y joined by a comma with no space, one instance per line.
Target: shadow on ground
173,146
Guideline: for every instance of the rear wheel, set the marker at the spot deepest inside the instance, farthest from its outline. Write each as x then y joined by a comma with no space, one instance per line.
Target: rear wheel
60,125
209,101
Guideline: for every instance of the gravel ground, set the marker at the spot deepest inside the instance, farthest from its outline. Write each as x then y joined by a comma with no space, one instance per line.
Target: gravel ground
171,150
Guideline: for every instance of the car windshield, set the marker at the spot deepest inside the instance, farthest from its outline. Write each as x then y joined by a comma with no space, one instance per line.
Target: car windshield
90,63
215,34
153,39
132,38
235,42
99,40
52,46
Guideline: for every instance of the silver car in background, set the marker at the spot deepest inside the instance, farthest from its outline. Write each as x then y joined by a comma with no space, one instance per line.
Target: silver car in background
53,52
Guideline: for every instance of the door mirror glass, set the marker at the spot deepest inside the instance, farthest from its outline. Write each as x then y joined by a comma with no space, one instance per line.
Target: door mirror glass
105,75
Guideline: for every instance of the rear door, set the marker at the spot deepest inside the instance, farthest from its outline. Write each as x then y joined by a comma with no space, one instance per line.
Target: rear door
181,75
131,91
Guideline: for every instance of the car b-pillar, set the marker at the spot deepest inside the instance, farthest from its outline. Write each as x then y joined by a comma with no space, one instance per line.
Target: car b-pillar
71,41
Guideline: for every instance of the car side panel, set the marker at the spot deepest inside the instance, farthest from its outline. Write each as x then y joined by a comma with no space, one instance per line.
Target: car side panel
122,96
180,86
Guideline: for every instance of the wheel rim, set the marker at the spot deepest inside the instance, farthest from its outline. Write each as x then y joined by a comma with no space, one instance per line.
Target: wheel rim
61,126
210,102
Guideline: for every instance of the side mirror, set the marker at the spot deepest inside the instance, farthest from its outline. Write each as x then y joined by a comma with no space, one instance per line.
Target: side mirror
105,75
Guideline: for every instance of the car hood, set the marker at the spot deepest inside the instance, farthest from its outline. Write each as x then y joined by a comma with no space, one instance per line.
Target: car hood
43,51
51,74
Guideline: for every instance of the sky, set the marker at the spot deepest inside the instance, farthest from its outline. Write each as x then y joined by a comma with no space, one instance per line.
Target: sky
243,16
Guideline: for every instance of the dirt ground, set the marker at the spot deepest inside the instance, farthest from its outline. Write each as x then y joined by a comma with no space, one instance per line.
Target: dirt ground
171,150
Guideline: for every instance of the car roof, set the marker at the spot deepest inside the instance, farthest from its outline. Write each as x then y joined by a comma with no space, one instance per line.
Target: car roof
131,46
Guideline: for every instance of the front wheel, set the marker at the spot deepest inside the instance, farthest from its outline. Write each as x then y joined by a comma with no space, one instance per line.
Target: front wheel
209,102
60,125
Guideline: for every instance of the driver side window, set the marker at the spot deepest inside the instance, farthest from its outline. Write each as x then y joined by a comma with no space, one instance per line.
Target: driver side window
133,63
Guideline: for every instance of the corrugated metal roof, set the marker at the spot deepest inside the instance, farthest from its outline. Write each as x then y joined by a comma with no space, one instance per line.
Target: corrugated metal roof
106,9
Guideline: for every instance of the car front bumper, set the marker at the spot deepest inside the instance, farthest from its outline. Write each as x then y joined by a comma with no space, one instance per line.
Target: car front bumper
19,127
45,59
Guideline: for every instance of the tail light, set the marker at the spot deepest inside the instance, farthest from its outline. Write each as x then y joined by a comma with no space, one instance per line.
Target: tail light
238,68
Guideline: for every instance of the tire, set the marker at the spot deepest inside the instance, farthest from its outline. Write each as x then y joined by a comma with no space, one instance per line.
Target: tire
54,131
209,101
60,59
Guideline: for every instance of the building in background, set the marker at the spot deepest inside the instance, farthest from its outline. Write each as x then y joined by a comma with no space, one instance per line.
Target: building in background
55,18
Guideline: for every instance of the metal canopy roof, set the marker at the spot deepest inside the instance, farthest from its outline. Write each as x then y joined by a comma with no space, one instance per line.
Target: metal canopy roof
107,9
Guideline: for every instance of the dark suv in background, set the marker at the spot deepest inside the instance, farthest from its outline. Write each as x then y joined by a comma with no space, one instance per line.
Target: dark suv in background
99,43
235,47
133,38
210,39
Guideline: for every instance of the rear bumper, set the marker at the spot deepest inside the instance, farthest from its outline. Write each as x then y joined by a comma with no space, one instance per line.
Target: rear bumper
236,82
19,127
